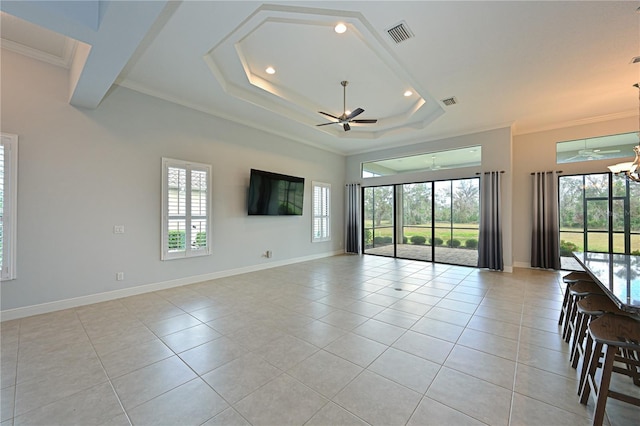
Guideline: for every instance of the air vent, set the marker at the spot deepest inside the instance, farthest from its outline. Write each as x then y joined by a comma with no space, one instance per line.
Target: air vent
400,32
635,60
449,101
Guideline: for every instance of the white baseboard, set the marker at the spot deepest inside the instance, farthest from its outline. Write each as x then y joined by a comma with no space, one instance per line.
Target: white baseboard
522,265
43,308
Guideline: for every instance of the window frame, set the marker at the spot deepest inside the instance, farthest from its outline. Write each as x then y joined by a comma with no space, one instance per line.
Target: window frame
189,251
326,206
10,206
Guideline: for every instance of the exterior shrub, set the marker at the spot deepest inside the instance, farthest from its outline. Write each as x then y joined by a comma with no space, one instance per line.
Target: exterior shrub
387,240
367,237
566,247
418,239
201,239
436,241
405,240
471,244
453,243
378,241
177,240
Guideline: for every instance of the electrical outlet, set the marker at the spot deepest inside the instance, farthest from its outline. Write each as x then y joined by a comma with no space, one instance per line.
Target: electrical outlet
119,276
118,229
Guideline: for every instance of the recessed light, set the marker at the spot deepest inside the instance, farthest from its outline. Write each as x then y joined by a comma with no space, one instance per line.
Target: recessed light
340,28
270,70
408,93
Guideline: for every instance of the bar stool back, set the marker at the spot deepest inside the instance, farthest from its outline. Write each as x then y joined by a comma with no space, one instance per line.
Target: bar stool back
619,336
587,309
577,291
569,279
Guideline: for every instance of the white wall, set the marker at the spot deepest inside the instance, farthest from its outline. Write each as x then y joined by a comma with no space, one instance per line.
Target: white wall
496,155
83,171
536,152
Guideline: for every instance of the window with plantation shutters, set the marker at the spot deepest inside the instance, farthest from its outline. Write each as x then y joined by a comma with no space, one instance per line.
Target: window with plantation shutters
186,222
321,229
8,208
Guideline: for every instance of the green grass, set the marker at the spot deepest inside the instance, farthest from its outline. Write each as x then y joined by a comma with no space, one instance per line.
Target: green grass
598,241
444,233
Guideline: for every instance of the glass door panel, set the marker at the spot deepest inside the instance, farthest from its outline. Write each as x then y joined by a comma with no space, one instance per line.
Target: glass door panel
378,220
597,215
442,215
417,221
465,221
571,200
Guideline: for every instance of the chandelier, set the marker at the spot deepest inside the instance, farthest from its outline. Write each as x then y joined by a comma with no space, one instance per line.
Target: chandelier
631,169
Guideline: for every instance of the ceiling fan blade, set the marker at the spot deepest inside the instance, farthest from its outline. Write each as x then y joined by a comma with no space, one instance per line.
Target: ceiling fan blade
325,124
346,127
328,115
355,113
365,121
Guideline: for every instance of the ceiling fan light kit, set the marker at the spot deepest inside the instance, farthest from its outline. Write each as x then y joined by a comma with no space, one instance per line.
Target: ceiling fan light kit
345,118
631,169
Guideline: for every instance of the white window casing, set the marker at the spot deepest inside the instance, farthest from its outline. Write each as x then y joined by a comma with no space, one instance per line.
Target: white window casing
8,202
186,209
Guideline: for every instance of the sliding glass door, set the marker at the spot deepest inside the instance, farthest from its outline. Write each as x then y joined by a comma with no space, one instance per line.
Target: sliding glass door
431,221
598,212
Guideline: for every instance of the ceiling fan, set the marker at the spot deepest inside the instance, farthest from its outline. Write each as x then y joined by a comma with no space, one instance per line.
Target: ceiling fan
434,166
345,118
592,154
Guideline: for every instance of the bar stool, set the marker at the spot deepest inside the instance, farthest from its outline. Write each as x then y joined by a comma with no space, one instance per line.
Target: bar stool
577,291
619,336
587,309
569,279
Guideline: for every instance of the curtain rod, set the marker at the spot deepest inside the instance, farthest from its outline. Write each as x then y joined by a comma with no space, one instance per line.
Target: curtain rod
486,173
553,171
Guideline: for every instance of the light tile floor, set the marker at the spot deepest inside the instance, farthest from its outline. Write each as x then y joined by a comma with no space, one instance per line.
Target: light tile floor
347,340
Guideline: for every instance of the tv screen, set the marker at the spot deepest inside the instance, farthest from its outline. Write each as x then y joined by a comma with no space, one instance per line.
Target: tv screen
273,194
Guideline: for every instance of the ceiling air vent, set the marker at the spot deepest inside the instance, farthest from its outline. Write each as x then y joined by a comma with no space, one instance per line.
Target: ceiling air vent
400,32
450,101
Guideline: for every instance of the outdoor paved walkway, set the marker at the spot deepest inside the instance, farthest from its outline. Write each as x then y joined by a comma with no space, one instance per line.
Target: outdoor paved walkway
456,256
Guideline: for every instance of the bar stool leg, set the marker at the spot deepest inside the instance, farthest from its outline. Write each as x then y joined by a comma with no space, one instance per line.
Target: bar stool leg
578,338
565,302
571,313
603,388
589,378
586,361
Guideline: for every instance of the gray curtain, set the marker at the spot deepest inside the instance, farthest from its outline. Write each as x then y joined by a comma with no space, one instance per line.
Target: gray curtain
545,238
490,239
353,218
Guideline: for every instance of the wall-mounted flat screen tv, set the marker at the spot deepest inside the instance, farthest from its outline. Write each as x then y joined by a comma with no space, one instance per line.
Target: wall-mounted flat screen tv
273,194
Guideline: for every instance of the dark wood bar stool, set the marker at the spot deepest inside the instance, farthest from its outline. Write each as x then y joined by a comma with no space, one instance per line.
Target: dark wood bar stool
616,338
588,309
577,291
569,279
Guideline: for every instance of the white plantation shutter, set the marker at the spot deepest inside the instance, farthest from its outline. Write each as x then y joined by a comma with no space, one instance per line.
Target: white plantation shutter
186,194
321,229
